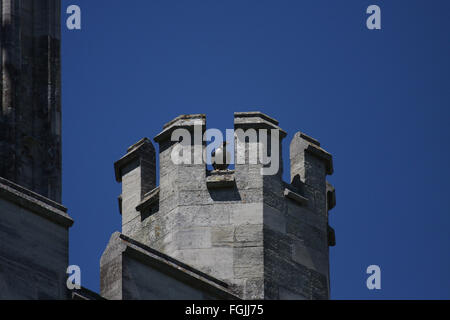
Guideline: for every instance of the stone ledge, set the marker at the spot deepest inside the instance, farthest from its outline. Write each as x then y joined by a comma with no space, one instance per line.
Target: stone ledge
295,197
220,179
150,198
34,202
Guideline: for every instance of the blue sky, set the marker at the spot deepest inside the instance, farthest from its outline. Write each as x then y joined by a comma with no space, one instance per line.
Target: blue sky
377,100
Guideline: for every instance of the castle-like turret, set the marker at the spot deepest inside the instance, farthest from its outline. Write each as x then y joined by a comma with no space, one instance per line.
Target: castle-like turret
265,238
30,95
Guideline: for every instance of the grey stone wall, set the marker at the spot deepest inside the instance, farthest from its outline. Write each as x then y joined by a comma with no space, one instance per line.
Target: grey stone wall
34,245
268,239
296,233
132,271
30,95
137,172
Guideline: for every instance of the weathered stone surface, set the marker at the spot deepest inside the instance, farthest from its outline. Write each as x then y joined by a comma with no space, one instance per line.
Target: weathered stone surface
309,257
33,224
286,294
295,197
217,261
34,245
220,180
204,216
30,95
131,271
274,219
136,170
265,238
223,236
249,235
246,214
247,262
193,238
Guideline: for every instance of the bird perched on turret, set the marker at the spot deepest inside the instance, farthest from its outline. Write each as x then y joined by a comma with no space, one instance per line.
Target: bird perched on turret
220,157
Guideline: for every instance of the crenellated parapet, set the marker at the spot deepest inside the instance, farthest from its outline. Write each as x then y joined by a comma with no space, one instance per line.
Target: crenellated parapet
266,238
137,173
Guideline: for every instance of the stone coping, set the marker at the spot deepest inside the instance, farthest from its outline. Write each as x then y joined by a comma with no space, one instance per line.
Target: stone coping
256,114
34,202
187,121
309,139
295,197
256,120
185,117
150,198
220,179
133,152
138,144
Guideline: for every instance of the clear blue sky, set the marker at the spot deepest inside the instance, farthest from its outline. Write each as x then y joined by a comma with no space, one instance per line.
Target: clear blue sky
377,100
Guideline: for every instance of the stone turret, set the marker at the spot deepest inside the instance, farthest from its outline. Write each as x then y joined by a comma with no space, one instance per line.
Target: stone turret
266,238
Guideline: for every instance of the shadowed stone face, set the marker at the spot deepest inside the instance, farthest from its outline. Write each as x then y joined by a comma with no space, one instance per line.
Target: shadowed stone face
30,95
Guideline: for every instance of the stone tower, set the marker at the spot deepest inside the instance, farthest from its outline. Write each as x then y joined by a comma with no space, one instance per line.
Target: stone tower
34,226
265,238
30,95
